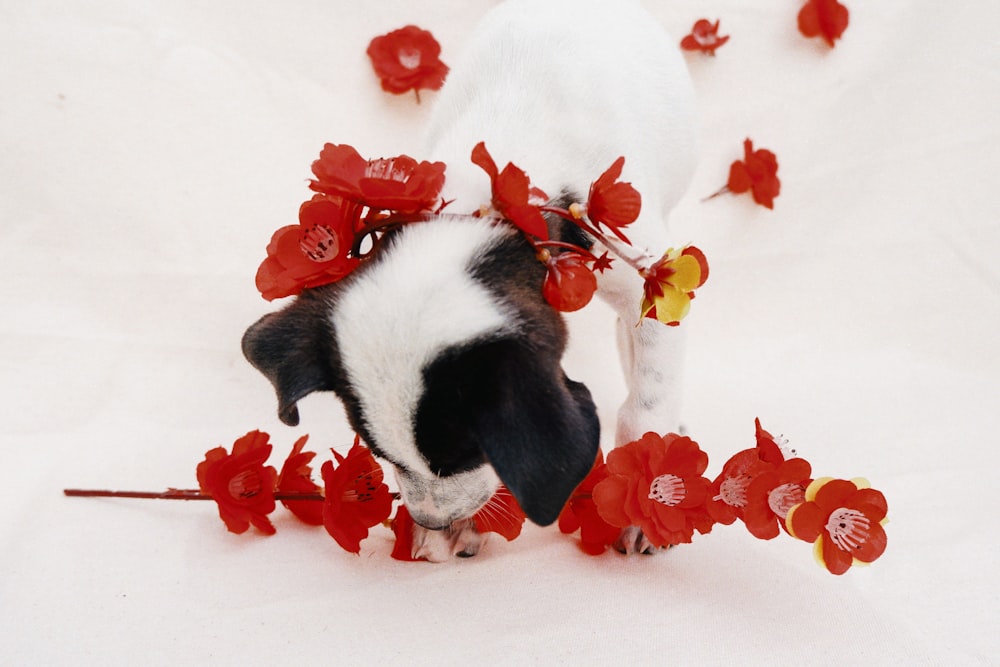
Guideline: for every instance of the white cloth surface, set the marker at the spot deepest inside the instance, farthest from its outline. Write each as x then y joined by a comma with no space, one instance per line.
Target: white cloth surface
149,150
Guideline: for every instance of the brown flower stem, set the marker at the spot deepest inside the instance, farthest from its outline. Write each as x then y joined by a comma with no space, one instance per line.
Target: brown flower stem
721,191
183,494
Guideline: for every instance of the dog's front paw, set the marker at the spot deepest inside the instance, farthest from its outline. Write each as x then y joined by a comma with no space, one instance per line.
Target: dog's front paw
632,541
437,546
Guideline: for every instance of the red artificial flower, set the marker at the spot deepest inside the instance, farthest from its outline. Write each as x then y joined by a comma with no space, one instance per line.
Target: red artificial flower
402,528
296,478
772,493
513,194
704,37
400,184
656,483
823,18
580,513
312,253
843,519
408,59
501,514
728,493
240,483
356,497
613,203
757,172
569,283
670,284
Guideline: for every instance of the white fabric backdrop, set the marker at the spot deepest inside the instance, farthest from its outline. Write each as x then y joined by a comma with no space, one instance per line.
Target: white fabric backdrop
147,152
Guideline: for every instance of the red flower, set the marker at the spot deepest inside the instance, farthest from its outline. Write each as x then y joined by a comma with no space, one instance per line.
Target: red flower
843,519
501,514
613,203
402,528
399,184
670,284
296,477
311,253
728,493
569,283
356,497
823,18
408,59
240,483
580,512
656,483
757,172
772,493
704,37
512,194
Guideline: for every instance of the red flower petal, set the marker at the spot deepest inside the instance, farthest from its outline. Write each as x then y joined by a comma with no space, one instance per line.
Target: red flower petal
580,512
569,283
356,497
240,484
296,477
513,194
823,18
402,528
501,514
407,59
613,203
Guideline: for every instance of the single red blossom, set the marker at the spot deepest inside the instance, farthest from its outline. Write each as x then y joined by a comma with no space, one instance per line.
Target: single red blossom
296,477
501,514
704,37
843,519
569,283
772,493
613,203
312,253
402,528
758,173
823,18
408,59
240,483
670,284
513,194
400,184
356,497
580,513
656,483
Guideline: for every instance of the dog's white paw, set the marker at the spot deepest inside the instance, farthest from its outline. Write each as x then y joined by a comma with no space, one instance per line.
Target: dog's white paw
632,541
437,546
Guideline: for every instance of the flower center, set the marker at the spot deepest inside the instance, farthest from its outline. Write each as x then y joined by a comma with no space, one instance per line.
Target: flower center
667,490
319,243
386,170
785,497
733,491
410,58
244,485
363,490
848,528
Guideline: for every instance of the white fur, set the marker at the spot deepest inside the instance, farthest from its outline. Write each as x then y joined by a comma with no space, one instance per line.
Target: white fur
562,88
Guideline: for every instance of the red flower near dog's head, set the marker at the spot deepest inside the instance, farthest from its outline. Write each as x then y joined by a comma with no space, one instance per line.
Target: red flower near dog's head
580,512
240,483
312,253
296,478
612,202
501,514
704,37
656,483
843,519
758,173
356,497
569,283
513,194
408,59
823,18
670,284
400,184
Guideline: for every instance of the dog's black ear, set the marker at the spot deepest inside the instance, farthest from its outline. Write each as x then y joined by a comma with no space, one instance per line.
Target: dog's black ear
536,427
296,350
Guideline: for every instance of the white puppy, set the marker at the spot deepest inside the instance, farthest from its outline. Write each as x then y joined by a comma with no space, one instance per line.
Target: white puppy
442,349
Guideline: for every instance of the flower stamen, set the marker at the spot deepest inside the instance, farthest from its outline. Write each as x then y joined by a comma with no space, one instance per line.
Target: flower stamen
667,490
848,528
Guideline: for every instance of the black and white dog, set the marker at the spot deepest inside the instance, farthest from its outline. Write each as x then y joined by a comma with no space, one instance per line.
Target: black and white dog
442,348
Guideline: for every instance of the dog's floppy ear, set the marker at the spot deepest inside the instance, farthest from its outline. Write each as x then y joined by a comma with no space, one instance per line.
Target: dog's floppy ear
295,349
536,427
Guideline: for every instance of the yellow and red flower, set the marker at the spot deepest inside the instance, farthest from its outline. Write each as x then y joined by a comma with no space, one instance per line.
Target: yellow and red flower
670,284
296,478
356,497
704,37
656,483
239,482
408,59
843,519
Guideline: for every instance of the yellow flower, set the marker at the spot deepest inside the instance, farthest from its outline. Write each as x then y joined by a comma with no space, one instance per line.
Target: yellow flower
671,282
